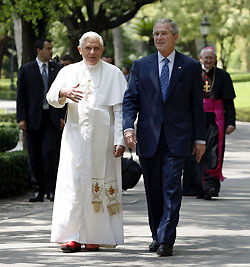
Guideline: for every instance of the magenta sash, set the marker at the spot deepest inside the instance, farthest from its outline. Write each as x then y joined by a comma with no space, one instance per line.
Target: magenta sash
216,106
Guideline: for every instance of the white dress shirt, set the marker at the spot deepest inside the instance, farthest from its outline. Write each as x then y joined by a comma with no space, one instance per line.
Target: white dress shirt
40,64
161,58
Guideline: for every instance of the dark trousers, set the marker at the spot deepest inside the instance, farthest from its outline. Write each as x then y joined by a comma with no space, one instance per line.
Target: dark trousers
43,154
211,157
196,180
192,181
162,180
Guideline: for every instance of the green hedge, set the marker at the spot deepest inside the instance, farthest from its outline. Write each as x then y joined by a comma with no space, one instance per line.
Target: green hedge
9,136
14,174
9,117
240,77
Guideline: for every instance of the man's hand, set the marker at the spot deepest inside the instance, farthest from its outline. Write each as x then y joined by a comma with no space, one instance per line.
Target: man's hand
230,129
22,125
130,139
73,94
62,124
118,151
199,150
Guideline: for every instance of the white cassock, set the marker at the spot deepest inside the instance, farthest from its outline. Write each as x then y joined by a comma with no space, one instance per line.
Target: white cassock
87,206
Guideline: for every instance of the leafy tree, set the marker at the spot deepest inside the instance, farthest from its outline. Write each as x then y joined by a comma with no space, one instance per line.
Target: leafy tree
6,34
99,16
34,20
4,39
78,16
143,29
230,19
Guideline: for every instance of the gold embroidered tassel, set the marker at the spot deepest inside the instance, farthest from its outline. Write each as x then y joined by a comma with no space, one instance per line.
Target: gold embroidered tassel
97,206
114,208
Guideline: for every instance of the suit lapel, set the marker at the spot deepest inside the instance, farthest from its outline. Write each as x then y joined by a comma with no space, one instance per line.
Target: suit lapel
176,73
154,73
51,72
37,72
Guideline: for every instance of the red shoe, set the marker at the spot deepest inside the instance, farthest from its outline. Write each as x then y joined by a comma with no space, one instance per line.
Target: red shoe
71,246
92,247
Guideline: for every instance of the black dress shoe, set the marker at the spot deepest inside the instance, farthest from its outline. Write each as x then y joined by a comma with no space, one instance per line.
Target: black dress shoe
165,250
208,194
153,246
36,197
200,196
51,196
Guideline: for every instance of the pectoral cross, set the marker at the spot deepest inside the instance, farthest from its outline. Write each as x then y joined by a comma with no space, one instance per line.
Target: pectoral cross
206,87
86,93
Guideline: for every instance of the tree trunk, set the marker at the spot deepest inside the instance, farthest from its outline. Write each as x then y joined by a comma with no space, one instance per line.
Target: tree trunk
28,41
244,55
3,48
73,49
18,39
190,47
118,48
30,35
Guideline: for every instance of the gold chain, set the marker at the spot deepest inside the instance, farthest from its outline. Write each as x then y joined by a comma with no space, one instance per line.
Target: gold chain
90,72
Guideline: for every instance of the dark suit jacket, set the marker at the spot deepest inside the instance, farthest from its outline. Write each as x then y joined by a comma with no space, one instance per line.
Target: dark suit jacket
181,115
30,90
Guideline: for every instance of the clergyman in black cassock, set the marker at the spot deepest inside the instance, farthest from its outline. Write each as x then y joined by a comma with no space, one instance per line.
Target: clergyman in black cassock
205,179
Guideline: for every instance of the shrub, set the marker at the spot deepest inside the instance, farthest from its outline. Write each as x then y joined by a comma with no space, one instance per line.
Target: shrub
14,175
9,117
240,77
9,136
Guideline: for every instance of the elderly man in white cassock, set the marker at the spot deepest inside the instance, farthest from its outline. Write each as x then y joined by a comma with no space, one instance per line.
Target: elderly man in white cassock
87,208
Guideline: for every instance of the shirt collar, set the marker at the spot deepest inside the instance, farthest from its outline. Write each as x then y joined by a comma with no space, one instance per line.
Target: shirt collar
40,63
170,57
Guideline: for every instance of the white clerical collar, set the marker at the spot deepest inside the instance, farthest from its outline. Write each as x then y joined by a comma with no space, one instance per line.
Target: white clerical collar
170,57
92,67
206,70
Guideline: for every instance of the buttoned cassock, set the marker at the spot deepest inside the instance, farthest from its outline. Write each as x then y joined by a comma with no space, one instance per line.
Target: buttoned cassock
93,127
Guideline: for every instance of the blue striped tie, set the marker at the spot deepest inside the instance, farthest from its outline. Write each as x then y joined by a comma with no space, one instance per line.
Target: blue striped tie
45,83
164,79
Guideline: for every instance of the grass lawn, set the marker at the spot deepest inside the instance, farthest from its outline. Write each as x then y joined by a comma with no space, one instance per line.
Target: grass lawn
5,92
242,100
5,82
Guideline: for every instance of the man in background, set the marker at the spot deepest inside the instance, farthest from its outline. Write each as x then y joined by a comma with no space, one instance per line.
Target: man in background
218,94
40,122
108,59
66,60
125,71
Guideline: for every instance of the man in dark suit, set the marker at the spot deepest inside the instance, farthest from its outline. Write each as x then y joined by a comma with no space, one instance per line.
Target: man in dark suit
165,91
41,122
